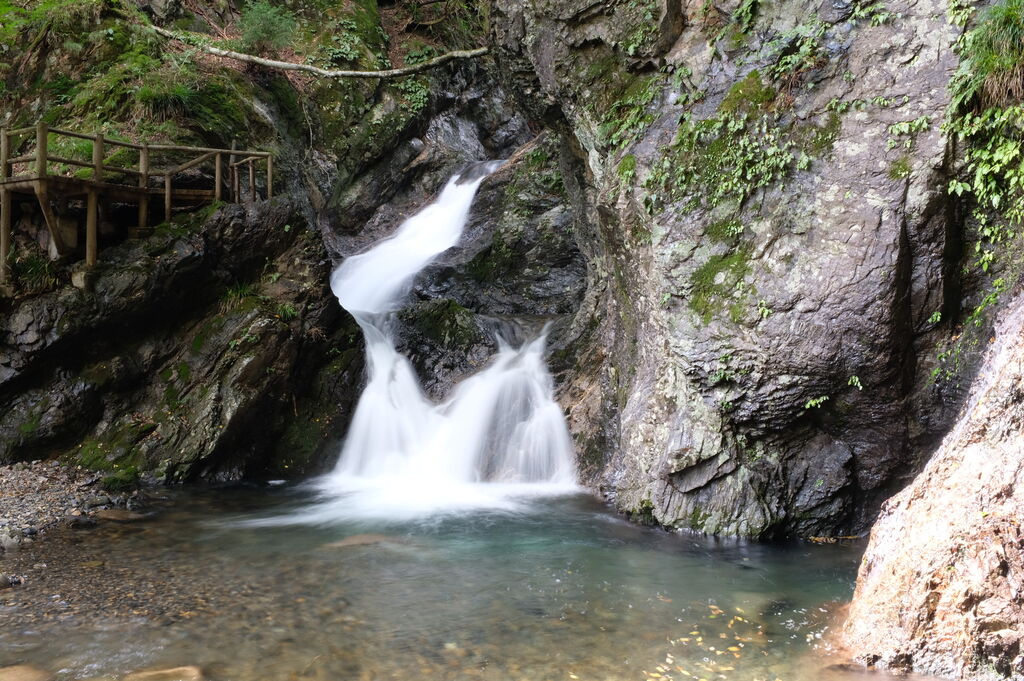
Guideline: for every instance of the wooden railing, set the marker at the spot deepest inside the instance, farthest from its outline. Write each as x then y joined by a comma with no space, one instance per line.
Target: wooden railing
39,161
37,170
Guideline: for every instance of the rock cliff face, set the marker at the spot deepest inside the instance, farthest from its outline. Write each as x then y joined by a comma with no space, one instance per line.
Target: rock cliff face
941,589
768,238
191,357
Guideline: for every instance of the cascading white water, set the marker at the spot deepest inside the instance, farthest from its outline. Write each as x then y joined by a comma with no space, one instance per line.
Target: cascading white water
500,435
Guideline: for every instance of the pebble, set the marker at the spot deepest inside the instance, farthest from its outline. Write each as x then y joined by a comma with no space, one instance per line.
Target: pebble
190,673
37,495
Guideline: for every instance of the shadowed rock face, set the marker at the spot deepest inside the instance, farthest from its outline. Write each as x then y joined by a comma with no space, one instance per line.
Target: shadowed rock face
940,590
202,351
752,355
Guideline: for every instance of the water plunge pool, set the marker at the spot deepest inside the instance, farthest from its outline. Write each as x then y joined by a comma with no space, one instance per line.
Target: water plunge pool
559,589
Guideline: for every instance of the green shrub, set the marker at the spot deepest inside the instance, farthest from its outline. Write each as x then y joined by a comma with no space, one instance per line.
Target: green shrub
266,28
991,70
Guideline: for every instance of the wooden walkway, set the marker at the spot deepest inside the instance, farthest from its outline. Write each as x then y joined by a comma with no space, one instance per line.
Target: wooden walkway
50,178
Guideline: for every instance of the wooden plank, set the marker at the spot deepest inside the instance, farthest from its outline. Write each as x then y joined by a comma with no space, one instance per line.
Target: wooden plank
270,177
70,161
218,179
91,220
41,150
5,232
144,184
252,182
167,197
194,162
5,155
97,159
42,195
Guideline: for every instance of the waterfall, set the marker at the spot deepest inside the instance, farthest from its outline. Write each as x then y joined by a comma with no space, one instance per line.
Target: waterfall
499,436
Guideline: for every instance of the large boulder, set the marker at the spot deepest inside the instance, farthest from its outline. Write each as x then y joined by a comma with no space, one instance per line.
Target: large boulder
941,587
768,238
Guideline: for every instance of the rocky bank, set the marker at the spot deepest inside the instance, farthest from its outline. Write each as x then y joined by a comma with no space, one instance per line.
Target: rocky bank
941,586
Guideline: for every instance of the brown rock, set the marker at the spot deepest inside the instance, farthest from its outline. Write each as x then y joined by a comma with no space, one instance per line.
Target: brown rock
120,515
940,588
24,672
190,673
363,540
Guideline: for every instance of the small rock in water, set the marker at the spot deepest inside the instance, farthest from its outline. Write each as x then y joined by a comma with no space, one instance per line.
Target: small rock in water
190,673
81,522
97,500
24,672
120,515
363,540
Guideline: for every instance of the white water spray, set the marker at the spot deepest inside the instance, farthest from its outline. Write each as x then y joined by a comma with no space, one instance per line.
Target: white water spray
499,436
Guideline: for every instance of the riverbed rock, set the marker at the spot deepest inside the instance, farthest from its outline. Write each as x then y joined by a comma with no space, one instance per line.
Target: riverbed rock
190,673
23,672
941,586
120,515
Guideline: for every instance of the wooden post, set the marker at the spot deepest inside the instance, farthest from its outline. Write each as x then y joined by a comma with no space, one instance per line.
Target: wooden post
41,151
5,231
217,176
234,172
97,158
270,177
167,196
144,185
252,180
5,154
91,220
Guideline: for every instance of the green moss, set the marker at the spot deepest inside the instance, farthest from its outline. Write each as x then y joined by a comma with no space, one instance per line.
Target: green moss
721,159
698,519
184,372
643,513
207,329
98,374
116,454
630,114
724,231
713,283
28,428
749,94
822,138
627,168
121,480
443,321
900,168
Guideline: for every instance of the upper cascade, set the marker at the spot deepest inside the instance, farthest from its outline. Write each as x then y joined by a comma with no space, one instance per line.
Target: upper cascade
499,435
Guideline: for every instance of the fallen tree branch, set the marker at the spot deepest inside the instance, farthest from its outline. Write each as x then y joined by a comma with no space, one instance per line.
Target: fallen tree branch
326,73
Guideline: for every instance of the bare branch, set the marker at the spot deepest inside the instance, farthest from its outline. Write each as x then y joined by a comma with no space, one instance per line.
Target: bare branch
326,73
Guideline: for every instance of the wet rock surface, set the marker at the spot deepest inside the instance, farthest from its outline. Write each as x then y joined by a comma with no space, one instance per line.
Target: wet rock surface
751,356
941,586
190,357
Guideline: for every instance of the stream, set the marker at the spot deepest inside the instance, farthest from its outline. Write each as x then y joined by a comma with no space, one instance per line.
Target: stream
559,589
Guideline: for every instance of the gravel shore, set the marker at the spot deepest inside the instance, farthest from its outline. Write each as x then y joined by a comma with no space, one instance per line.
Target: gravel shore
36,496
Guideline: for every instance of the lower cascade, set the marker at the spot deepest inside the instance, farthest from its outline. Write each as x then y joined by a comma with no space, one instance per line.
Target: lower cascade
500,435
